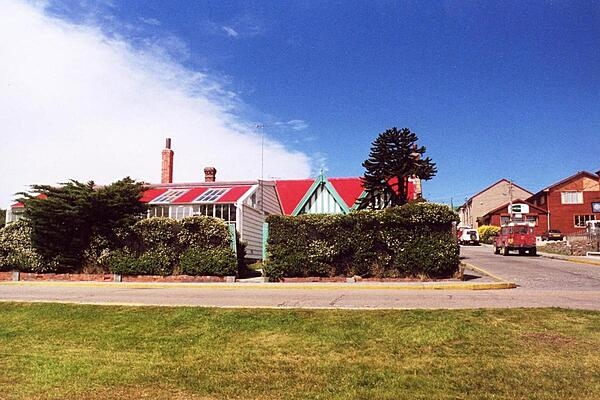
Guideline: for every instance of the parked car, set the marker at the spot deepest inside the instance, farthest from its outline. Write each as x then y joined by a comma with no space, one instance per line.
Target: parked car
552,234
515,236
468,236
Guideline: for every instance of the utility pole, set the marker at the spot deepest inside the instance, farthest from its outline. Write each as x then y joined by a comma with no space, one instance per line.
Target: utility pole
510,204
262,166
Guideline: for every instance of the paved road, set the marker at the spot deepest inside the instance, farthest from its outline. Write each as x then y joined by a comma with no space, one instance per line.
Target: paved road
538,273
542,283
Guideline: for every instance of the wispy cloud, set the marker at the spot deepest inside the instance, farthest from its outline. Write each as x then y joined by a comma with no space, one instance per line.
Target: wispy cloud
320,161
297,124
230,31
76,102
150,21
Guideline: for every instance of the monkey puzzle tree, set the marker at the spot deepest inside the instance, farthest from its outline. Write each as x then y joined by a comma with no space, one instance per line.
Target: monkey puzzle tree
394,158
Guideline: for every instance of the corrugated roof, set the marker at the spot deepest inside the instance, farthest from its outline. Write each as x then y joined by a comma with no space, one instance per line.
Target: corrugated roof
291,191
349,189
233,194
151,194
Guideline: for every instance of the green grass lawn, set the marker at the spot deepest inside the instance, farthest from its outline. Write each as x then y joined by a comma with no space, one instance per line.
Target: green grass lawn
52,351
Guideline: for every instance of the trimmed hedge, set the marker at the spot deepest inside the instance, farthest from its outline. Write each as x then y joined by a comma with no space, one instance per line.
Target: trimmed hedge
163,246
414,240
218,261
17,251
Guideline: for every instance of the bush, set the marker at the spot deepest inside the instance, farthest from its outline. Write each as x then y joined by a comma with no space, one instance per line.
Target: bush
217,261
203,232
412,240
487,233
157,261
17,251
160,246
156,231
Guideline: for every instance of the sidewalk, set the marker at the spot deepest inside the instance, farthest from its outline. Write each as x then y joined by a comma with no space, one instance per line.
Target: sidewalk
591,260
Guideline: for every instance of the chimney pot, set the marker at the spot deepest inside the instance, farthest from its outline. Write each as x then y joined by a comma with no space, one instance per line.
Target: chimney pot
210,174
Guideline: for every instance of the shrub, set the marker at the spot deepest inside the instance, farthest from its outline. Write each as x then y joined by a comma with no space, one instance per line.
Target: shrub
487,233
156,231
95,257
412,240
160,246
203,232
217,261
17,251
157,261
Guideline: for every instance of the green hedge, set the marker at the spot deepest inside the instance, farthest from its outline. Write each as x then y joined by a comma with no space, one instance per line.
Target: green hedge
17,251
154,246
218,261
414,240
163,246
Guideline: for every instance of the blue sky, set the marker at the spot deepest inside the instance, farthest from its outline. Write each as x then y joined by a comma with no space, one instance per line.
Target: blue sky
494,90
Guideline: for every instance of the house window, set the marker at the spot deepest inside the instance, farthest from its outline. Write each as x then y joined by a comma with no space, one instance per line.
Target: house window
180,212
532,220
169,195
542,200
158,211
504,220
211,195
580,220
571,197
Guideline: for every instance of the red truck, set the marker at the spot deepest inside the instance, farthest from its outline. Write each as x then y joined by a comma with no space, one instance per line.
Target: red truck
515,236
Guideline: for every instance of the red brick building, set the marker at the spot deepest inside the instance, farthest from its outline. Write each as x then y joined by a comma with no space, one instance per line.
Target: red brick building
571,202
536,217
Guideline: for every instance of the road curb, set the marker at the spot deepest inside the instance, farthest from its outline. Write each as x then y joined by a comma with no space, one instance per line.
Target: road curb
501,281
573,260
501,284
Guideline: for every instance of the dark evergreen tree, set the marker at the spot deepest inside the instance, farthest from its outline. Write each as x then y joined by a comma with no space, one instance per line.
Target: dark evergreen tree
64,218
394,157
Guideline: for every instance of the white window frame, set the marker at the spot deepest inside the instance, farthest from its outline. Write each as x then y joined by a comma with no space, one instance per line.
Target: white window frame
571,197
579,220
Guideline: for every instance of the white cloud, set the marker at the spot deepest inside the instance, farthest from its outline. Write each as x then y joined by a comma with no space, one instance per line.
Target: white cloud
75,103
230,31
297,124
150,21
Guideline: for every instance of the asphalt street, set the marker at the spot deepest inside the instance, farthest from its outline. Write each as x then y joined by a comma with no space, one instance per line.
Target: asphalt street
541,282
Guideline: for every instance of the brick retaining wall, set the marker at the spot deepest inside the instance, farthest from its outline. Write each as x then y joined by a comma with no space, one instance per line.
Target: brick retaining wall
52,277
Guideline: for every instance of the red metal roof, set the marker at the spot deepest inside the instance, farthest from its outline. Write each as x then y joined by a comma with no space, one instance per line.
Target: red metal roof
190,195
234,193
290,192
151,194
349,189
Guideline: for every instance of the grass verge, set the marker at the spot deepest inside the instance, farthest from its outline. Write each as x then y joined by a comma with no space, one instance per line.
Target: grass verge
54,351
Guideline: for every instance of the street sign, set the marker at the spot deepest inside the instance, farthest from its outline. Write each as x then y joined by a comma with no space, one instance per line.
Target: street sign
519,209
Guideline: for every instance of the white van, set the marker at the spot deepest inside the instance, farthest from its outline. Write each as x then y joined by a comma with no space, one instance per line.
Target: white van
468,236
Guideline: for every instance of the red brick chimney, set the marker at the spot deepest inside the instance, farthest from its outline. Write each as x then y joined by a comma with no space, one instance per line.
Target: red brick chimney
210,174
166,172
